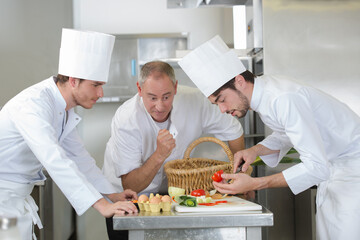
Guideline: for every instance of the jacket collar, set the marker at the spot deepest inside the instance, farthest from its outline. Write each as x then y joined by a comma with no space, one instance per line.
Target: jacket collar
257,93
60,105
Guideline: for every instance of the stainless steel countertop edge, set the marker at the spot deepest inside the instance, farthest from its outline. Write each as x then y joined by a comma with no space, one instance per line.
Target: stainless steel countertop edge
174,220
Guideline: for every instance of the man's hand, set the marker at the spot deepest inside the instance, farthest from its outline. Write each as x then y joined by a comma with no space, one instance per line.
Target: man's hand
140,178
242,183
165,144
248,156
126,195
109,209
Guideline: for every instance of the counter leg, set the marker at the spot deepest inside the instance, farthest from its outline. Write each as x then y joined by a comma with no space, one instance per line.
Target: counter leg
136,234
253,233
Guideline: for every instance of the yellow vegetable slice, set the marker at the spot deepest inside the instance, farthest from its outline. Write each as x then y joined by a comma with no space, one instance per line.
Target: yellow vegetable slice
175,191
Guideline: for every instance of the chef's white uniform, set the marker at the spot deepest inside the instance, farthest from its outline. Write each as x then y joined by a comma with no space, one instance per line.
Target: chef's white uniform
326,133
134,133
35,133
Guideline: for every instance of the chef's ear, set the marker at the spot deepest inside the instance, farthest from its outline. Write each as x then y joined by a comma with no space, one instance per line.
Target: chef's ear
138,88
240,82
176,84
72,81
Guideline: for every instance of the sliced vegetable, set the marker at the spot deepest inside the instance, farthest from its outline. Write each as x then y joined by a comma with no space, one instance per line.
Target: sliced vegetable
207,204
212,192
203,199
198,193
175,191
212,204
187,201
217,196
217,176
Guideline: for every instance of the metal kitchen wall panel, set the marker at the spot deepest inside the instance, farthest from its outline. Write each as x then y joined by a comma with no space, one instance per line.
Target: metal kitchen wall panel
131,51
316,42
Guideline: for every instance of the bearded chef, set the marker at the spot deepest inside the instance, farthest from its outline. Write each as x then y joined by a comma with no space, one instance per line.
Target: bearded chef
324,131
38,130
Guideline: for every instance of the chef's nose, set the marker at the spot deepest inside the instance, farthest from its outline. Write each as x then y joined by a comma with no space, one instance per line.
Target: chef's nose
100,92
160,105
222,108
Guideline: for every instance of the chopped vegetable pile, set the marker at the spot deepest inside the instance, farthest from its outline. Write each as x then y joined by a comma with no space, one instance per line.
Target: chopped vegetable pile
187,201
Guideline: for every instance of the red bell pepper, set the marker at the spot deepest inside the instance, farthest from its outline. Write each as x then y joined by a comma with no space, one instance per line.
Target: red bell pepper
217,176
198,193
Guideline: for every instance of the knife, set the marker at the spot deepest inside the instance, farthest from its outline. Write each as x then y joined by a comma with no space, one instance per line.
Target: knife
237,170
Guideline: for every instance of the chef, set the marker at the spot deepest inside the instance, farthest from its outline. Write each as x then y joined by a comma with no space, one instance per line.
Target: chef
324,131
156,126
38,130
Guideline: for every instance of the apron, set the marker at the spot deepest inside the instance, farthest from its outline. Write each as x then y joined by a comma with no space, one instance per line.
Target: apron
15,200
338,202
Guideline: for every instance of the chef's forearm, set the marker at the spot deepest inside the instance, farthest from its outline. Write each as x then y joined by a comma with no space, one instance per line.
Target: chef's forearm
140,178
261,150
272,181
101,206
237,144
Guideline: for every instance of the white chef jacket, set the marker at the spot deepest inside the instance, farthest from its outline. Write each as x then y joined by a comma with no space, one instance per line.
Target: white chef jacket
34,134
134,133
325,132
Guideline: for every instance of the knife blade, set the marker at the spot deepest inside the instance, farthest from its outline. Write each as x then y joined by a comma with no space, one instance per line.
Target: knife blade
237,170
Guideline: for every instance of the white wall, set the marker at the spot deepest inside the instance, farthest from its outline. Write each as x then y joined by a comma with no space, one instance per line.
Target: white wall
134,17
30,34
144,16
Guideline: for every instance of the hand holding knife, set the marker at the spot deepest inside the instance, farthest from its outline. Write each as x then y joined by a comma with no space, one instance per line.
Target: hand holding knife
237,170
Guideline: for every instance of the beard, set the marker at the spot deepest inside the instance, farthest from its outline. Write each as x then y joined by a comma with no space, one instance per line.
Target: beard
244,105
79,101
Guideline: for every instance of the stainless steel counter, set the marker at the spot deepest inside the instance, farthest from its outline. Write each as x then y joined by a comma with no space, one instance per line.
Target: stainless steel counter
175,225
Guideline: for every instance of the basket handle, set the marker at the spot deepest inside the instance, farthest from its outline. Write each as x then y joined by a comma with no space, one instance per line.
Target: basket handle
210,139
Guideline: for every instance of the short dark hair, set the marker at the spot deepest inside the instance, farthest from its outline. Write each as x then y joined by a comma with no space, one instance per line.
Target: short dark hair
61,79
248,76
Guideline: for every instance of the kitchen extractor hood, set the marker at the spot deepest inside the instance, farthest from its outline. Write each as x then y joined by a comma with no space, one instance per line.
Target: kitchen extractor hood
205,3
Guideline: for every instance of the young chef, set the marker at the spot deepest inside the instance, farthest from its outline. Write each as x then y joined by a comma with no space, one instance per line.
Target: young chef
324,131
37,129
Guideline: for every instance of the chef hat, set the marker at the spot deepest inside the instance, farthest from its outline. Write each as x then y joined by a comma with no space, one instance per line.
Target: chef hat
211,65
85,54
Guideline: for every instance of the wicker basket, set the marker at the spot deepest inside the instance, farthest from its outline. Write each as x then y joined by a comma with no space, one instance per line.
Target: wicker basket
195,173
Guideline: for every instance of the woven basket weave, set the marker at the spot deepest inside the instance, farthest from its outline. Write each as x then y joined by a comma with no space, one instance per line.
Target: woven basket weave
195,173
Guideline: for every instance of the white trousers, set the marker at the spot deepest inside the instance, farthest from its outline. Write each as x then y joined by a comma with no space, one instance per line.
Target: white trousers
15,200
338,211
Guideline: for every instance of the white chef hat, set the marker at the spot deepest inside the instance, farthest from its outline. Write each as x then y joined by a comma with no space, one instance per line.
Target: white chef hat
85,54
211,65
